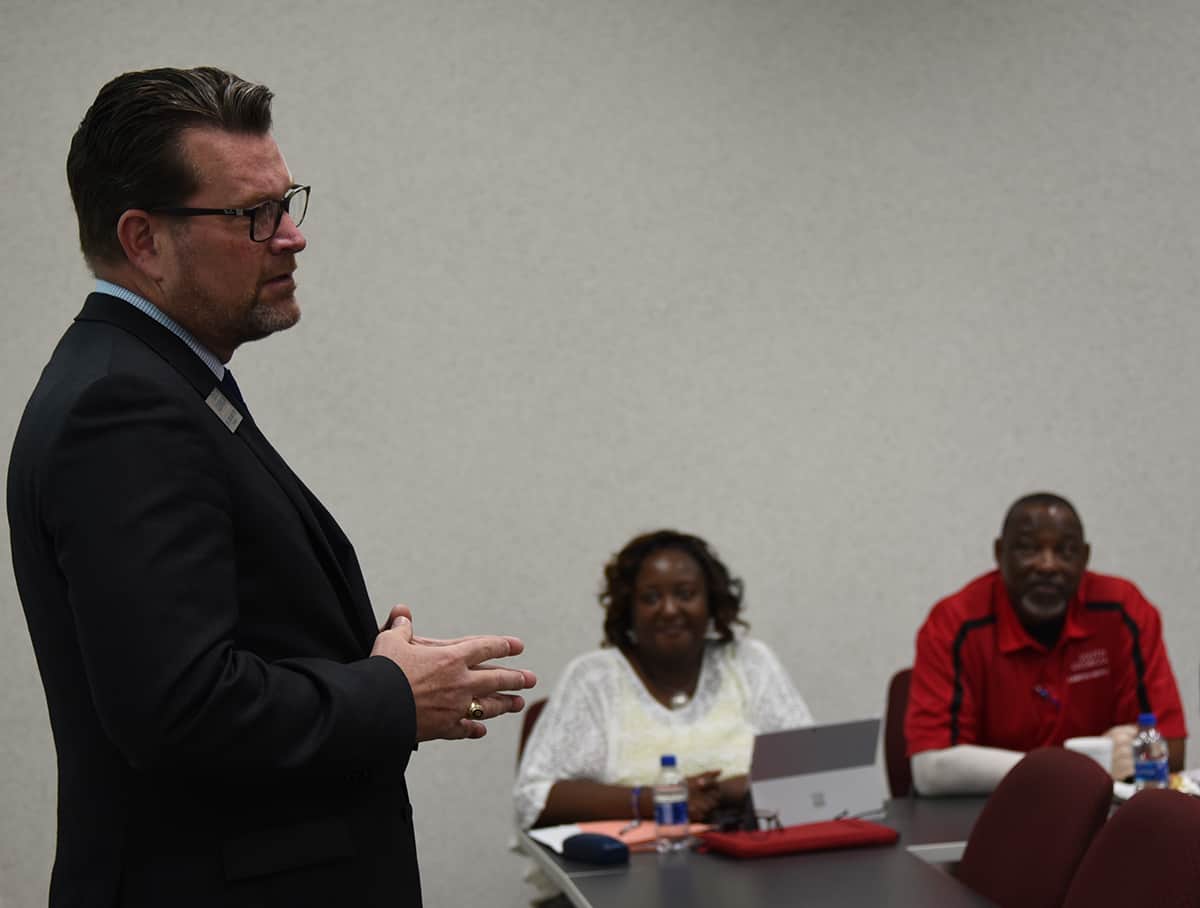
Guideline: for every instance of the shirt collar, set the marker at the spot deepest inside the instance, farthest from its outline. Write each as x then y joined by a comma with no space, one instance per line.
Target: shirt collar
146,307
1012,634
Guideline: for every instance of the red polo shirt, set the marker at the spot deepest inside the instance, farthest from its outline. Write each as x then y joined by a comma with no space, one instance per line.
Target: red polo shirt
979,678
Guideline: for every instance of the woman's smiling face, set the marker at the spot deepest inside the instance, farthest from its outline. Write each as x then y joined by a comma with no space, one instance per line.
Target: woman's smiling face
670,607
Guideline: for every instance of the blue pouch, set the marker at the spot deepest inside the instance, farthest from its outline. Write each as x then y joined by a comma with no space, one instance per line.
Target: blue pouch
594,848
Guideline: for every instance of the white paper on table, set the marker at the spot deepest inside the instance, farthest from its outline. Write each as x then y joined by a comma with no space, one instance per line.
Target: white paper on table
554,836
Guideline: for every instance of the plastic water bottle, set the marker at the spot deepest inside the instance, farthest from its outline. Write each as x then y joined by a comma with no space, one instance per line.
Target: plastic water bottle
1149,755
670,807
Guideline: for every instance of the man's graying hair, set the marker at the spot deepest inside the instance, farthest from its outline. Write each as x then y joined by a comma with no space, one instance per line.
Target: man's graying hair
127,151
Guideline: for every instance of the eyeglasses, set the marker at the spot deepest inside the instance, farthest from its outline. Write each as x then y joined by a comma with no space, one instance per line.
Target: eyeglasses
265,217
767,821
749,820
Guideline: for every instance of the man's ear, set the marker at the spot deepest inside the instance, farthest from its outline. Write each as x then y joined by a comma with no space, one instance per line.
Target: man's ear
996,547
141,238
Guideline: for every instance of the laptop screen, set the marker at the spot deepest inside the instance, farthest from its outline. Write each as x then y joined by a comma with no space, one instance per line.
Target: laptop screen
818,773
816,748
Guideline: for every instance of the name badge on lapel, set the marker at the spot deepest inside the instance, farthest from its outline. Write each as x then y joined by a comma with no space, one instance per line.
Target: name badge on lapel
226,412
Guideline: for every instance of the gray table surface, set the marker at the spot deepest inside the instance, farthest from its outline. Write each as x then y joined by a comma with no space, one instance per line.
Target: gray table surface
887,875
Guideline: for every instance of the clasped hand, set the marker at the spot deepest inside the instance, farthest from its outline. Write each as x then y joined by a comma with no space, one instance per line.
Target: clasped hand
446,675
1122,754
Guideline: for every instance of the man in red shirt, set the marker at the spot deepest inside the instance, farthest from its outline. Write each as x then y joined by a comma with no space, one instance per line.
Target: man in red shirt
1033,653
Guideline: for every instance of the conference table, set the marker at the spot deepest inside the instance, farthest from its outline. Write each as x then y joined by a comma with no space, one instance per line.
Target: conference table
932,830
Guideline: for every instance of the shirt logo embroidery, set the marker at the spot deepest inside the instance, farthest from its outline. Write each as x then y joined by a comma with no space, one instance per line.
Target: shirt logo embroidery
1087,665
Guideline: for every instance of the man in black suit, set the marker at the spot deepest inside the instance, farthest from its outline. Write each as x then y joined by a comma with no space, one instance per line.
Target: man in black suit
231,726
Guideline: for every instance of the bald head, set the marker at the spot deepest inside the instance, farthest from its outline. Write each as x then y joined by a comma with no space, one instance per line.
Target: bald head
1038,498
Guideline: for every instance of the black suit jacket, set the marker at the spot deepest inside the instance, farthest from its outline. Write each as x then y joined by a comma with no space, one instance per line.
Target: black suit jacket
203,634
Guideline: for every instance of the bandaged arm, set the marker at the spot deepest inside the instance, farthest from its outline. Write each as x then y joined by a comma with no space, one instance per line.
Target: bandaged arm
964,769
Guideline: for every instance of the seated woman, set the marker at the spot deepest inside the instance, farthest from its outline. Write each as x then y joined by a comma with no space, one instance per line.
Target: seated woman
673,679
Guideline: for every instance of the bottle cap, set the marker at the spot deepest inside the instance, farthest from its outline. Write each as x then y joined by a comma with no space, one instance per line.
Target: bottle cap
1147,719
668,760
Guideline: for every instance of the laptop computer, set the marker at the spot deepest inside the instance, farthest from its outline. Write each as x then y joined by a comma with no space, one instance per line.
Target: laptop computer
818,773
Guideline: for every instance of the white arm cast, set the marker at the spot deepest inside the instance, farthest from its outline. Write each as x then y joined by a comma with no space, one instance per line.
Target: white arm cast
962,769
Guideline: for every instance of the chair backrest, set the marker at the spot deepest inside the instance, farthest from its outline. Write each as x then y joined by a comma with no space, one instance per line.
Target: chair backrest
1148,854
895,745
528,720
1035,828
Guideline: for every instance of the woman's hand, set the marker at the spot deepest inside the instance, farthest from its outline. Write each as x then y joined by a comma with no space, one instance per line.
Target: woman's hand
704,795
733,790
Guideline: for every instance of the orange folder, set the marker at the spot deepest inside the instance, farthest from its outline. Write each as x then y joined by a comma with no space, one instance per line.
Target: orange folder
639,838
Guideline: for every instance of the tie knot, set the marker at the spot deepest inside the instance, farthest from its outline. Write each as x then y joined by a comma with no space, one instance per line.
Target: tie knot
229,387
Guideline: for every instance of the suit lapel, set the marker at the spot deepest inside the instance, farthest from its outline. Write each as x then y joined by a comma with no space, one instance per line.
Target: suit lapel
323,531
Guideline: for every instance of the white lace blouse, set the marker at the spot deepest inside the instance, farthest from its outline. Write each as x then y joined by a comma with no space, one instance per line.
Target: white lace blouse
602,724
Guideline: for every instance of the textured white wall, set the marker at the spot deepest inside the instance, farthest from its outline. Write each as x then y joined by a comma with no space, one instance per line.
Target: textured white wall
829,283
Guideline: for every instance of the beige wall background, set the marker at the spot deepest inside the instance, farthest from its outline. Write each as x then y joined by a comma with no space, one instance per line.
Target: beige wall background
829,282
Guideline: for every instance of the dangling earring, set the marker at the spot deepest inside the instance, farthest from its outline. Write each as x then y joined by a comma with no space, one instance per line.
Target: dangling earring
631,636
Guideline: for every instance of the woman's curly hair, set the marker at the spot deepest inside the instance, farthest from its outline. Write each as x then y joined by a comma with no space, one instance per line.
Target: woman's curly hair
620,575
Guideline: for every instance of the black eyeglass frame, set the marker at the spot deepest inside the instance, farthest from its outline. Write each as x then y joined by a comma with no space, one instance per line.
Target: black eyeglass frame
284,204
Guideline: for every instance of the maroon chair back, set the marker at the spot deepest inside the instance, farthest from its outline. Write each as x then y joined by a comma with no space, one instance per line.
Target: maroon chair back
1035,828
1147,854
895,744
528,720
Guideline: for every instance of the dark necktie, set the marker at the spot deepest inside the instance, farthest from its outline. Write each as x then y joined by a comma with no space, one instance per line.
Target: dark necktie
230,389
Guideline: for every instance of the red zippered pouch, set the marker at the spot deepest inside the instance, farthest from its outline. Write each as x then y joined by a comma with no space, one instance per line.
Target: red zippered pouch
822,836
